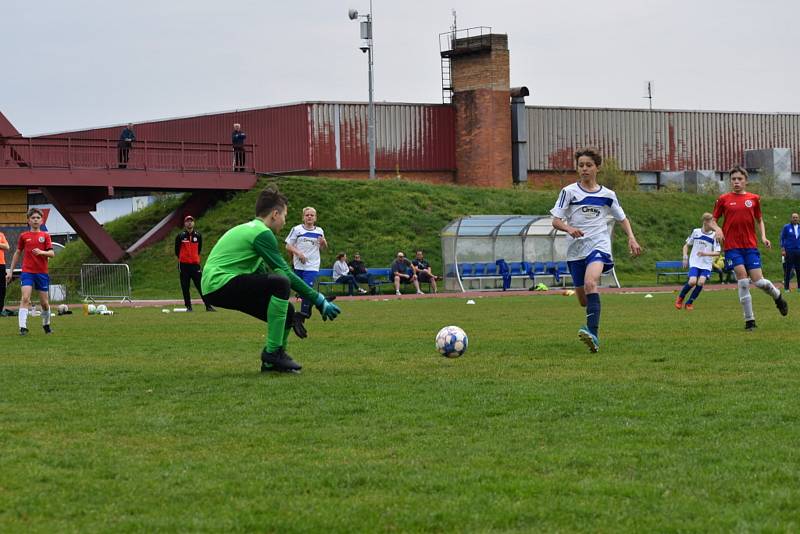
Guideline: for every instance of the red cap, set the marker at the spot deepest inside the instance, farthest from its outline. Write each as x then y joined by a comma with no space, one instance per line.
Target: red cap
187,218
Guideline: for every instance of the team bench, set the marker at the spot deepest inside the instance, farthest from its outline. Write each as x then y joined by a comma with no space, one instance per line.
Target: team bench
380,277
670,268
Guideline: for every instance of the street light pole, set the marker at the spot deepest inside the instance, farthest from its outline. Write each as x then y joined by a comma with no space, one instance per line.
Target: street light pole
366,36
371,107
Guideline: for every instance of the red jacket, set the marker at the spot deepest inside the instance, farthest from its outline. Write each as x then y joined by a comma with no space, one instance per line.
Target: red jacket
188,246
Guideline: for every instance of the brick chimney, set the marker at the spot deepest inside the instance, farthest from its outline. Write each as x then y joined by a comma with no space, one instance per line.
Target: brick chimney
480,80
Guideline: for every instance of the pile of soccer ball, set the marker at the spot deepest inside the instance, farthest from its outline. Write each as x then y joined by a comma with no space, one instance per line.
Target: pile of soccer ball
451,342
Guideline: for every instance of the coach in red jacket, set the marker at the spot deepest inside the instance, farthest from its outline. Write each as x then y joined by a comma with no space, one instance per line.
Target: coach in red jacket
188,245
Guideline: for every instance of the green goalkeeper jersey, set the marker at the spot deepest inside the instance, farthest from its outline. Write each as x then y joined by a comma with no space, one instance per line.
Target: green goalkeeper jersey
247,249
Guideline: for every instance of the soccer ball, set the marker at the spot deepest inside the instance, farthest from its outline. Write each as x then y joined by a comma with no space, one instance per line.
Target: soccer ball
101,308
451,342
92,309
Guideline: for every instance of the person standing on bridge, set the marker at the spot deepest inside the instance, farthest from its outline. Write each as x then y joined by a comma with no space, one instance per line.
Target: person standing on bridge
124,145
237,140
188,245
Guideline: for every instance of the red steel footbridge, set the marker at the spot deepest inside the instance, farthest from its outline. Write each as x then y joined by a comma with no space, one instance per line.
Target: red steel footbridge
77,173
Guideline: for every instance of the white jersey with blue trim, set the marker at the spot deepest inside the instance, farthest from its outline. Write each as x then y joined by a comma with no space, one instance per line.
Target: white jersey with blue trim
307,242
702,242
587,211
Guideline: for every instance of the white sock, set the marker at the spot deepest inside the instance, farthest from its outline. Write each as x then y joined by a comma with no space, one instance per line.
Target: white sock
45,317
22,318
746,299
768,288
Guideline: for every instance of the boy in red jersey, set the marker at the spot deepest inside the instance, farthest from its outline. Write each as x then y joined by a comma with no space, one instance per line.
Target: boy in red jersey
741,210
36,249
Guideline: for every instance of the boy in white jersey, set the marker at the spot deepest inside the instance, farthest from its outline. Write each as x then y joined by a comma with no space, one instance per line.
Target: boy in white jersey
705,248
581,211
304,243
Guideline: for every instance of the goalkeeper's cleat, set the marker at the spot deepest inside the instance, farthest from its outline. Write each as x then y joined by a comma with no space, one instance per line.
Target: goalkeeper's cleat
782,305
47,329
278,362
689,307
23,331
750,325
589,339
679,303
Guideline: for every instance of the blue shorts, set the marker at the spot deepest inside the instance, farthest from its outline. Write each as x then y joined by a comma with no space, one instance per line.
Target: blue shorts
40,282
698,272
309,277
577,268
749,257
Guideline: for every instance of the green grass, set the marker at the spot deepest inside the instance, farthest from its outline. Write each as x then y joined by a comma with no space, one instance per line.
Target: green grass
381,217
145,421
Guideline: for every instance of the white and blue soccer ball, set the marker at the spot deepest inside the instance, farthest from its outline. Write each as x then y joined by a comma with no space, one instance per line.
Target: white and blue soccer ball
451,342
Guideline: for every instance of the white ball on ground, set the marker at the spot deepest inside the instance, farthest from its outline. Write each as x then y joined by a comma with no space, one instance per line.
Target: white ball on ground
451,342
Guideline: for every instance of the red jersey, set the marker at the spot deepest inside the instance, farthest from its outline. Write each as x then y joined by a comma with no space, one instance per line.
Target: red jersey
740,211
2,251
27,242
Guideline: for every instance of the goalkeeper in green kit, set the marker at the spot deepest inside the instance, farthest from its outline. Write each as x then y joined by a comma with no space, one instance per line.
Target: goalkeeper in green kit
245,271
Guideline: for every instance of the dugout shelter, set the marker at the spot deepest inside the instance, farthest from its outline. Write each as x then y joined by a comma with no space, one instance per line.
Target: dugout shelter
532,249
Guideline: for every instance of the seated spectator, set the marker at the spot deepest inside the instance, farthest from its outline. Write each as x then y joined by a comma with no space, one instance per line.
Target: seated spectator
359,271
721,269
423,270
341,274
402,271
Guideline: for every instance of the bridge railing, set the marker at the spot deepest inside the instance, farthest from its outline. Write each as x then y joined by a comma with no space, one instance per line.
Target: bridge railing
72,153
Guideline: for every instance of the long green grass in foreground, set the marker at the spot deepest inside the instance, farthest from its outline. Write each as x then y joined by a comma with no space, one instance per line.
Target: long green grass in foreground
145,421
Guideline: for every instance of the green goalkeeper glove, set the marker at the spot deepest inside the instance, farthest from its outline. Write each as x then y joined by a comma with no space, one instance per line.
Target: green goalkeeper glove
326,308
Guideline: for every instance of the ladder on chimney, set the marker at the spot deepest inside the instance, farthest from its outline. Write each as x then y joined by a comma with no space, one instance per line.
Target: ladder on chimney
447,82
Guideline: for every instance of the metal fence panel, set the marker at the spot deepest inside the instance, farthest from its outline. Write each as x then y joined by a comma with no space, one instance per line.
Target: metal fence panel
106,281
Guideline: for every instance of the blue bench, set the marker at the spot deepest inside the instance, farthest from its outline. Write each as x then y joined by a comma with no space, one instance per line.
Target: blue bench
670,268
557,271
380,277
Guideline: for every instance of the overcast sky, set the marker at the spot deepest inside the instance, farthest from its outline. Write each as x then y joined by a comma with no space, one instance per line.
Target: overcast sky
82,63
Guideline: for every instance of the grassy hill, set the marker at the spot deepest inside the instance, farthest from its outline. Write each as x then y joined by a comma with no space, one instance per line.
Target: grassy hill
381,217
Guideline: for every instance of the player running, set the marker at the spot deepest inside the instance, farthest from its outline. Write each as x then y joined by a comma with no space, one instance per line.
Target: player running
581,211
36,249
740,210
704,249
245,271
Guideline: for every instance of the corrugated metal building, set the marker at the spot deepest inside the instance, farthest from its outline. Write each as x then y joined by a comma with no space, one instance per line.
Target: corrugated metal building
331,137
317,136
642,140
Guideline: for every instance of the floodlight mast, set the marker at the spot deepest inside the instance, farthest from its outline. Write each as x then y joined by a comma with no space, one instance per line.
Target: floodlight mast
366,47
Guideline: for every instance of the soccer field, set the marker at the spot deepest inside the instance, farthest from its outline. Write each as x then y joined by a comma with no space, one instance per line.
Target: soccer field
144,421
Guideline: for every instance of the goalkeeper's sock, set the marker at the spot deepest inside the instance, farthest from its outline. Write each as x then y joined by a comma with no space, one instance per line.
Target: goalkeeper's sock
286,337
276,323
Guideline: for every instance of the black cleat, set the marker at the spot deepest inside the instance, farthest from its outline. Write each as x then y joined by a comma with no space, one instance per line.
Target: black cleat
750,325
189,308
210,308
47,329
23,331
782,305
278,362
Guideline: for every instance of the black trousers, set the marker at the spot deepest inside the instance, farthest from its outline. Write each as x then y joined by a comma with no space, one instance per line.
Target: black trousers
190,272
791,263
2,287
238,159
122,156
250,294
